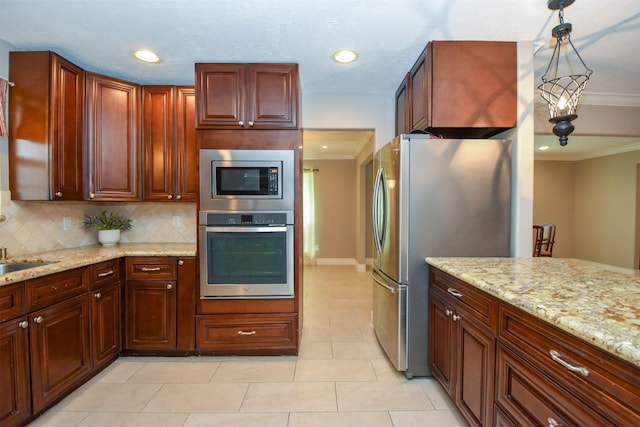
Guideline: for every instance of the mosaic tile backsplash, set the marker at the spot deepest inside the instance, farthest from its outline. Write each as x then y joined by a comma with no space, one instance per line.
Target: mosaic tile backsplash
32,227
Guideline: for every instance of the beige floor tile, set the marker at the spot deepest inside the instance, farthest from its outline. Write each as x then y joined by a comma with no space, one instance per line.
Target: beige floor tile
200,398
290,397
119,371
426,419
249,370
385,371
357,350
334,370
111,419
344,334
382,396
237,420
112,397
315,350
436,394
340,419
176,371
55,418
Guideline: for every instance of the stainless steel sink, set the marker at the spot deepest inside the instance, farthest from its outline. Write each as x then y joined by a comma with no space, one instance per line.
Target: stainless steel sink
9,267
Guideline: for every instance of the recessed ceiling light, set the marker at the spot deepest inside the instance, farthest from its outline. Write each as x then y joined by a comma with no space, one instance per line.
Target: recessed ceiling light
325,147
345,56
543,147
146,55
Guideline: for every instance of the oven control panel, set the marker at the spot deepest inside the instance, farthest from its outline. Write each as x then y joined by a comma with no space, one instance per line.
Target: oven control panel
248,218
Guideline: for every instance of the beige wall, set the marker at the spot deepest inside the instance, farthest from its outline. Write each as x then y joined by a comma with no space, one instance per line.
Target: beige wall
593,203
335,202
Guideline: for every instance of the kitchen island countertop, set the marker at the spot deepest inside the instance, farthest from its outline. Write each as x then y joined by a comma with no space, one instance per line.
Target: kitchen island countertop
598,303
66,259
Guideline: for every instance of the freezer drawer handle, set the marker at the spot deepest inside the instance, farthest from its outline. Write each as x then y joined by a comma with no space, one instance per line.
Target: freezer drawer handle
455,292
387,287
580,369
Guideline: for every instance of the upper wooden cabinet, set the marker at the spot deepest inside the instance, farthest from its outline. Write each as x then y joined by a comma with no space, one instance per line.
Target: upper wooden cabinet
403,105
461,89
170,148
113,154
45,127
247,96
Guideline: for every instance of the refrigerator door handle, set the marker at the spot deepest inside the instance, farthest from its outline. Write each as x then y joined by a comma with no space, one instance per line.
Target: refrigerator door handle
384,285
378,234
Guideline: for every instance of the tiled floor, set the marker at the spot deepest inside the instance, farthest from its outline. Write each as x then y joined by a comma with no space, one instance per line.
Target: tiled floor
340,378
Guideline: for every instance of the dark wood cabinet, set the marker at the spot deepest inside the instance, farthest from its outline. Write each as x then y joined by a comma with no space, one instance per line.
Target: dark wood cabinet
15,403
462,345
170,151
247,96
113,145
150,303
45,127
105,312
460,89
60,349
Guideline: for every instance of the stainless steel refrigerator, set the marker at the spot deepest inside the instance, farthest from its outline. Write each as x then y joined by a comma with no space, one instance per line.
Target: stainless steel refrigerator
431,197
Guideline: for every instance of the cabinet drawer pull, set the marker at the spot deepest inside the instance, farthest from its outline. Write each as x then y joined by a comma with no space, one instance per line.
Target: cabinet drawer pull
552,422
455,317
23,324
106,273
448,312
579,369
38,319
456,293
246,333
150,269
98,295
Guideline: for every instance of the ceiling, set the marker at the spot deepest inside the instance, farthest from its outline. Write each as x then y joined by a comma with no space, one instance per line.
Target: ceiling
389,35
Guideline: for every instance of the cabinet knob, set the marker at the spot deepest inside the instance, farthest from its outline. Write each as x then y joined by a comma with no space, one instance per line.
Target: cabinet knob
58,194
552,422
98,295
23,324
455,317
38,319
180,262
250,123
448,312
92,195
169,286
179,197
241,123
169,197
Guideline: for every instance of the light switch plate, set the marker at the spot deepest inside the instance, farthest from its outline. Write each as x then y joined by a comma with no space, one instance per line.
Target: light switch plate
66,223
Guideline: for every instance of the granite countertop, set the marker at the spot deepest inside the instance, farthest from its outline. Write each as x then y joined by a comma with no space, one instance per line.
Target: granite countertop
66,259
597,303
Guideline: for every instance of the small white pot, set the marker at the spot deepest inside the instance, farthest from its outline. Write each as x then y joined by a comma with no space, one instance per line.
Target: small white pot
108,237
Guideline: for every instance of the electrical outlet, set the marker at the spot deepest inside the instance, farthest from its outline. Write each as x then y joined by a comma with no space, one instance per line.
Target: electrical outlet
66,223
177,220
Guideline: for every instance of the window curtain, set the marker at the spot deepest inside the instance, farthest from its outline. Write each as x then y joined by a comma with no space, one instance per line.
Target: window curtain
308,218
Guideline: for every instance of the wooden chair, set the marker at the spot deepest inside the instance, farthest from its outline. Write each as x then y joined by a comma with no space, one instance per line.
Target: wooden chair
544,237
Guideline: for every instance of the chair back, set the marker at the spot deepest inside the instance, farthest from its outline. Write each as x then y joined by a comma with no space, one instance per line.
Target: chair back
544,236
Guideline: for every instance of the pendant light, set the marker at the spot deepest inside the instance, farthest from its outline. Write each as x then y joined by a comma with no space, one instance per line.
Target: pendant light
562,90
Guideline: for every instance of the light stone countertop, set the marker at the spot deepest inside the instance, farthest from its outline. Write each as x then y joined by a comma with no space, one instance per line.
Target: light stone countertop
597,303
67,259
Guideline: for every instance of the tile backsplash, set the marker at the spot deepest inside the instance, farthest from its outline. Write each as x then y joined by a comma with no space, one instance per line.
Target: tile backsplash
32,227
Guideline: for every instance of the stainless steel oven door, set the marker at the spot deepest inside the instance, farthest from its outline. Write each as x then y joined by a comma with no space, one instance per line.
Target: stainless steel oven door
246,261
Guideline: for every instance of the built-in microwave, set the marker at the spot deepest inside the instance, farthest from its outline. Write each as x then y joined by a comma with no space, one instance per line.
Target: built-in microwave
240,180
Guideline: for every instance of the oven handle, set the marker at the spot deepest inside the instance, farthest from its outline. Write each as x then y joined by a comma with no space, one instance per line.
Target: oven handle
246,229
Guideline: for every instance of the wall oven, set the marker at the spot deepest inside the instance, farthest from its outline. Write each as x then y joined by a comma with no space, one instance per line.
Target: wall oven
242,180
246,254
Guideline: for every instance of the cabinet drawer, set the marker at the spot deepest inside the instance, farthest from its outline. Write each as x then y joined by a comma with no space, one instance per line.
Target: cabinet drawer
11,301
48,290
247,334
599,379
531,399
151,268
104,273
477,303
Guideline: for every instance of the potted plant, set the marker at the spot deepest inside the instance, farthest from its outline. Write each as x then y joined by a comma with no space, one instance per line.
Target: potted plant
108,225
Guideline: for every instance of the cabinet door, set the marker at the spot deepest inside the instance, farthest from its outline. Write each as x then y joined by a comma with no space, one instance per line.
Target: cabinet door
67,99
105,323
475,355
420,88
113,142
187,183
441,356
403,106
220,96
272,91
151,315
60,349
15,403
159,142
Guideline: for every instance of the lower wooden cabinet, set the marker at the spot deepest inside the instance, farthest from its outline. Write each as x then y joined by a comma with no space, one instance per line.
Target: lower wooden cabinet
105,324
150,315
15,400
267,334
59,339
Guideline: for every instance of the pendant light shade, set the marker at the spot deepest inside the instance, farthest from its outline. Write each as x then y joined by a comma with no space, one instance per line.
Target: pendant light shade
565,78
